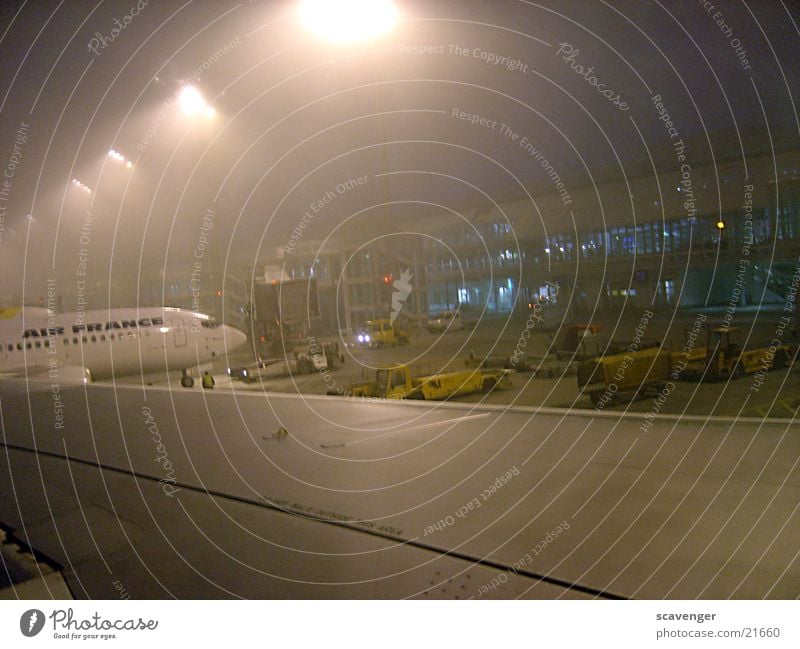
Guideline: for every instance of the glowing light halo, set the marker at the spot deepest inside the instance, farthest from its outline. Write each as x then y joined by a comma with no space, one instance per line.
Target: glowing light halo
348,21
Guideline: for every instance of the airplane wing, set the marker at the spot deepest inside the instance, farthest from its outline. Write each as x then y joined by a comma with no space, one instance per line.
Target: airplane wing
67,374
219,494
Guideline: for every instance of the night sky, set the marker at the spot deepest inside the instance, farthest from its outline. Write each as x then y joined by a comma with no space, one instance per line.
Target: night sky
295,116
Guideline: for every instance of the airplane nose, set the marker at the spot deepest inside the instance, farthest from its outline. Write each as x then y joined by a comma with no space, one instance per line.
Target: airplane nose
233,337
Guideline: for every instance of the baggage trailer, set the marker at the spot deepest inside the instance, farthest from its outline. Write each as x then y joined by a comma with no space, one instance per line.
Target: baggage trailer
631,375
397,382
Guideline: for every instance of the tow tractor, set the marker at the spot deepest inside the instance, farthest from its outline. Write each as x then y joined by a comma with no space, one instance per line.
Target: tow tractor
724,358
397,382
377,333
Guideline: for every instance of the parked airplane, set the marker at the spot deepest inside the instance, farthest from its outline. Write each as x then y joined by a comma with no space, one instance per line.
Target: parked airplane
112,342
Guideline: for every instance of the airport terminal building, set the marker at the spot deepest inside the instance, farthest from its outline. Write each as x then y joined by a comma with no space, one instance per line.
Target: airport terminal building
691,237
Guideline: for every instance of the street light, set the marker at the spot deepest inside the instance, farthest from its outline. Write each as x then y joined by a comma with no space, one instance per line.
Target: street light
351,21
347,21
81,186
192,102
116,155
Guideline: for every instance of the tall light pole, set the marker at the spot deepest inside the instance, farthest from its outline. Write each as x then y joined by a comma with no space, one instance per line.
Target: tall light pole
348,21
342,22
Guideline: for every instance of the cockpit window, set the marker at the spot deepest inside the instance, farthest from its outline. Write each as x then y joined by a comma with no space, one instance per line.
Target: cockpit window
209,324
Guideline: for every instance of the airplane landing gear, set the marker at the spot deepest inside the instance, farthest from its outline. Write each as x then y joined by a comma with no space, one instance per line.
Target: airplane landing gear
186,380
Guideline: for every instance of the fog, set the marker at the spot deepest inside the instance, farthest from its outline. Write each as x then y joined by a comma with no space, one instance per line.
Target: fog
296,116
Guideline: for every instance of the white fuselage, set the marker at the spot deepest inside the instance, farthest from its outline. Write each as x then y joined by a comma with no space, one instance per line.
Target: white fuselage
112,342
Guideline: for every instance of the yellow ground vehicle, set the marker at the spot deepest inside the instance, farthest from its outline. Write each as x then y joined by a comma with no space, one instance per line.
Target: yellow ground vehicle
578,341
608,379
396,382
723,358
377,333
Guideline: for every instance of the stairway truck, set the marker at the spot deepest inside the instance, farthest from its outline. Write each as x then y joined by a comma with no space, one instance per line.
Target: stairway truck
397,382
628,376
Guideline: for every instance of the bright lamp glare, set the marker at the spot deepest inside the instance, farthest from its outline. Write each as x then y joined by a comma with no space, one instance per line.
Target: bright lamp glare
191,100
344,21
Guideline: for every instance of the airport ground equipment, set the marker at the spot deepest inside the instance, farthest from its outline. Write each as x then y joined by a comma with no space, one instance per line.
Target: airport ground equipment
784,283
578,341
583,341
520,363
380,333
631,375
302,360
397,382
251,371
723,357
445,321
